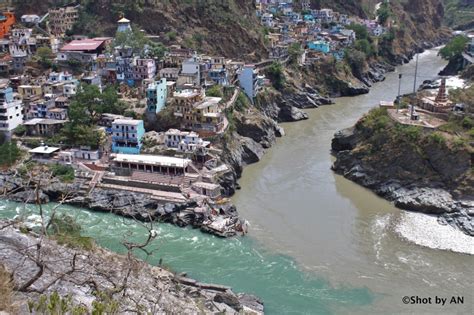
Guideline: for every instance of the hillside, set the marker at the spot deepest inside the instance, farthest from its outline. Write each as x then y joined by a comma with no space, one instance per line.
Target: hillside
228,28
459,13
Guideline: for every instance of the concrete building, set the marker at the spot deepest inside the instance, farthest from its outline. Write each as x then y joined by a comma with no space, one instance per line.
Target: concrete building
127,136
151,164
184,141
11,111
197,112
62,19
250,81
156,96
143,69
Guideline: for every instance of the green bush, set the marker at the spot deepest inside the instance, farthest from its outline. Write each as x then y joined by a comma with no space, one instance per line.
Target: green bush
467,123
9,154
276,75
214,91
437,137
242,102
64,172
66,231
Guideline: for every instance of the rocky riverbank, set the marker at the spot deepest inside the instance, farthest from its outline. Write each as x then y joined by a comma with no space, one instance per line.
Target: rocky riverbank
221,220
130,285
418,176
257,129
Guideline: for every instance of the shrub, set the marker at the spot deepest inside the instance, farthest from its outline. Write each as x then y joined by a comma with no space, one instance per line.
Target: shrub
242,102
66,231
214,91
437,137
467,123
9,154
275,72
412,133
64,172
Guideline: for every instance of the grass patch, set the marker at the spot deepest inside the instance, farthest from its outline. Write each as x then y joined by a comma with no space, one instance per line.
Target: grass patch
64,172
66,231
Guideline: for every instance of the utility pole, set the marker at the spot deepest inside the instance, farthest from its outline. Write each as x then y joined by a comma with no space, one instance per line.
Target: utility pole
399,87
414,88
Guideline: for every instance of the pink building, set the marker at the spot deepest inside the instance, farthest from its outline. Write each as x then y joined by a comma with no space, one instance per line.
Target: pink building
144,69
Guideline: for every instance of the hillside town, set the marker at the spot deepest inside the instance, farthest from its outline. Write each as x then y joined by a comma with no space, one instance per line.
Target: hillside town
95,103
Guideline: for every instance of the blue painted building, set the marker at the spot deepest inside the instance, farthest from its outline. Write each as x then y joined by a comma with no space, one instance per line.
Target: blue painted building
319,45
127,135
156,95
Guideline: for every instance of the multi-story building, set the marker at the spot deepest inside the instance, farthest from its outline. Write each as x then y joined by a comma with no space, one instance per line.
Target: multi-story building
184,141
143,69
156,96
62,19
197,112
193,72
11,111
127,136
250,81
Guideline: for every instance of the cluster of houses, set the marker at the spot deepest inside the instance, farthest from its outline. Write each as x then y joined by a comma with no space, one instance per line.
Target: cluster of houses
319,32
178,82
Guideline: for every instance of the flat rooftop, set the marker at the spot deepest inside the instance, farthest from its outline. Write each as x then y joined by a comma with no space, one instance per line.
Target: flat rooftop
44,149
157,160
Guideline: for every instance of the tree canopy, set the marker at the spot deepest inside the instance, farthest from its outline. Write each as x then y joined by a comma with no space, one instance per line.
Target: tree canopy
454,48
360,30
85,111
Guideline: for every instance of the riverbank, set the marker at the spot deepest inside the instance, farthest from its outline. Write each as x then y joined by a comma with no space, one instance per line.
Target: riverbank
256,129
218,219
418,170
129,285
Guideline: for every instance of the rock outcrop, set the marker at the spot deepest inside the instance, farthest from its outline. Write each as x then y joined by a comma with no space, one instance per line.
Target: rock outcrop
83,274
138,206
424,177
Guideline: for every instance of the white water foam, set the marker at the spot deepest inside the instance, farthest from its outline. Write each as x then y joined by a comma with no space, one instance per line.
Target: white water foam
424,230
379,230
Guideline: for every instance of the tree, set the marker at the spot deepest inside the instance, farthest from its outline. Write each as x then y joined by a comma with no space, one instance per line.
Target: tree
454,48
214,91
360,30
356,60
384,12
364,46
294,51
275,72
9,154
44,54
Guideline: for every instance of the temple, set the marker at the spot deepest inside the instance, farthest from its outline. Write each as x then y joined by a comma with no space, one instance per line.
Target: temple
439,103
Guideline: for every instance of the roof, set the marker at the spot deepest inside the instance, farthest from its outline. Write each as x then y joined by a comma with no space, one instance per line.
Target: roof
121,121
83,45
158,160
205,185
44,149
123,20
207,102
44,121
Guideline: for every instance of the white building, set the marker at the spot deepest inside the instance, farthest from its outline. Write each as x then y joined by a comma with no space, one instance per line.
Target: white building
184,141
11,111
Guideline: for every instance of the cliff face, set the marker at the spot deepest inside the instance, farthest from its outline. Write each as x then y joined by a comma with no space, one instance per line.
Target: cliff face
133,285
420,170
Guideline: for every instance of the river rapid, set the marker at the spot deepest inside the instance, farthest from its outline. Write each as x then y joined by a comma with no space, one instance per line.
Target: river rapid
318,243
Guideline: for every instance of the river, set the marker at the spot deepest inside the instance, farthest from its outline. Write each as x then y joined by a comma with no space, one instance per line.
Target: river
318,243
